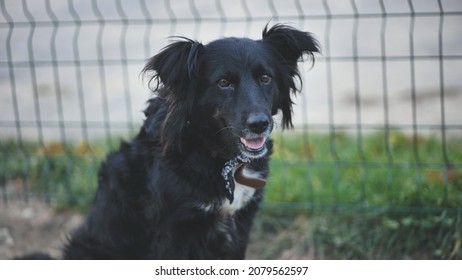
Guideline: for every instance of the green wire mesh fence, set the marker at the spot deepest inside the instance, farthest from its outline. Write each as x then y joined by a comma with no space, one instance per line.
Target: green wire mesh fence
378,123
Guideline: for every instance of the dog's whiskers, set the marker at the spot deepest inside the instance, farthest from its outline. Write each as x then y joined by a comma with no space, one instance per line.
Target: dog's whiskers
223,128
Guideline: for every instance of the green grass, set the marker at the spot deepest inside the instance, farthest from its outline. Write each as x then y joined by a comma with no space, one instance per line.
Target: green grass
352,235
387,197
337,172
306,170
65,175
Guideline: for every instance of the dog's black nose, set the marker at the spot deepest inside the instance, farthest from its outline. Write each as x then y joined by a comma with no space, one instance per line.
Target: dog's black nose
258,123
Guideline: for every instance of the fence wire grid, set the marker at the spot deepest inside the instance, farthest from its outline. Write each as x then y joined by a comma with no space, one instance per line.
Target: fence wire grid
389,74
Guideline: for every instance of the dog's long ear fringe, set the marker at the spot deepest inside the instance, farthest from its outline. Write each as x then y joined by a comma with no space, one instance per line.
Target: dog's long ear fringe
291,45
173,72
176,62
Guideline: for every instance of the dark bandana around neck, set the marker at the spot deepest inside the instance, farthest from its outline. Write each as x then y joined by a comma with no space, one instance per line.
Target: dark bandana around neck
228,174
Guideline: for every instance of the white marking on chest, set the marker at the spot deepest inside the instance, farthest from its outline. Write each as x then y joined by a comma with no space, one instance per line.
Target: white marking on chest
206,207
242,195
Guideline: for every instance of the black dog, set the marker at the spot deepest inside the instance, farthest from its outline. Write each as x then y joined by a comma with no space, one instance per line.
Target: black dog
189,184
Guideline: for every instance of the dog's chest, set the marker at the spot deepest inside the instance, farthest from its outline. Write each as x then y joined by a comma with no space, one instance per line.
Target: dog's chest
242,195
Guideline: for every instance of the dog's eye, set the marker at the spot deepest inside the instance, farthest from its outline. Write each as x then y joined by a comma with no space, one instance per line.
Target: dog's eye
265,79
223,83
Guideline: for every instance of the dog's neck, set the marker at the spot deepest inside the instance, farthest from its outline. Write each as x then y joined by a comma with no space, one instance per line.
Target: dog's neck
233,171
241,177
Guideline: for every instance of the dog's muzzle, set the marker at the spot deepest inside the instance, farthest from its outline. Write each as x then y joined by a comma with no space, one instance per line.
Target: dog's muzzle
254,137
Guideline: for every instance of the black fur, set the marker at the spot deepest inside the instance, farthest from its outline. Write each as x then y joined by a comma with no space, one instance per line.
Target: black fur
162,195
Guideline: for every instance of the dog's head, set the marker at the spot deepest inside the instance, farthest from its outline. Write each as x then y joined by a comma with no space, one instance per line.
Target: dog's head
230,88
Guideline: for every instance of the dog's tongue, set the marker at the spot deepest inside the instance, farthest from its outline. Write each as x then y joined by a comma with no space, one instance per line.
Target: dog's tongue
253,144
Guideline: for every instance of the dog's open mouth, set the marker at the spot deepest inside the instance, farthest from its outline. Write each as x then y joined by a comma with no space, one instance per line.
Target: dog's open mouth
255,144
254,147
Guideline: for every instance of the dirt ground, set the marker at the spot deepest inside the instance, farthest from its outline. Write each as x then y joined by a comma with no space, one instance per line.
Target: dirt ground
33,226
36,227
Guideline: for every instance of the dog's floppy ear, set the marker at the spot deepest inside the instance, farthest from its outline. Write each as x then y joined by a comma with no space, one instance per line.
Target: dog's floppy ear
175,64
174,74
289,45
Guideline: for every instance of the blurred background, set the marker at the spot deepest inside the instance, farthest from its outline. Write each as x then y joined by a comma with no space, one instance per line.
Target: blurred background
372,170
